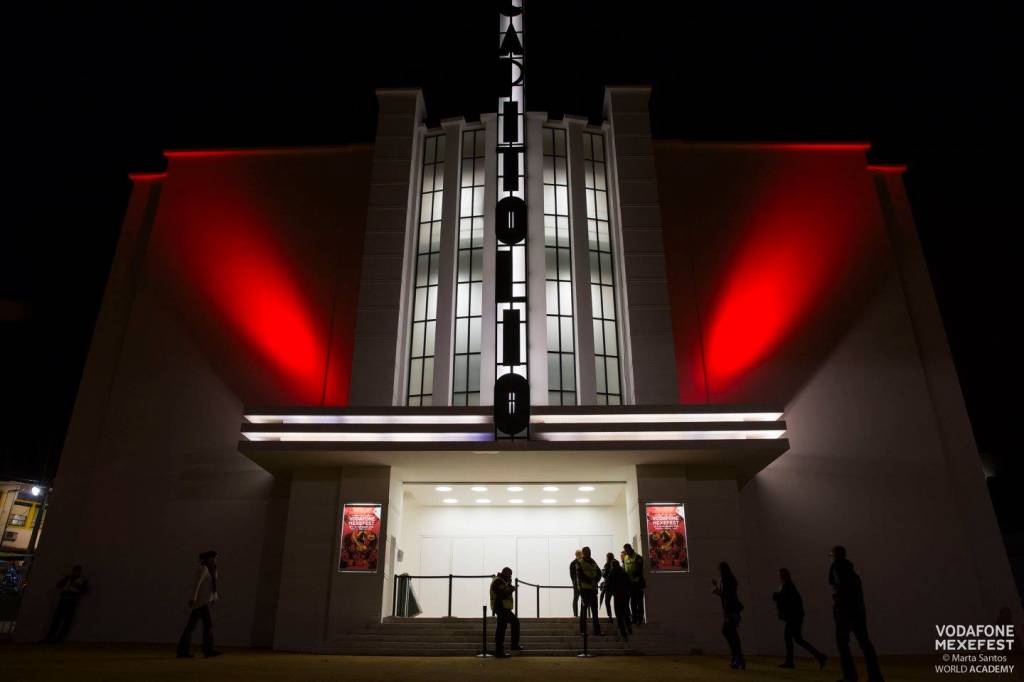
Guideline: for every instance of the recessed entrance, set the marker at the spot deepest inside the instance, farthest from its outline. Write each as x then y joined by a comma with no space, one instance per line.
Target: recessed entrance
477,528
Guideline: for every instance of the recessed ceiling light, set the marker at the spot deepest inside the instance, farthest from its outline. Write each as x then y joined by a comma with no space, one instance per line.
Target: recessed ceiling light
582,500
479,488
585,488
549,500
515,501
483,500
550,488
450,500
443,488
515,488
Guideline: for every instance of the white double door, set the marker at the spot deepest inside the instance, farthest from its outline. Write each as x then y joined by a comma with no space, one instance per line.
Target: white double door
543,560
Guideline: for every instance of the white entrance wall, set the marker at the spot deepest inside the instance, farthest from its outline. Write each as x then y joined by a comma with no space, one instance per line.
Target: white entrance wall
537,543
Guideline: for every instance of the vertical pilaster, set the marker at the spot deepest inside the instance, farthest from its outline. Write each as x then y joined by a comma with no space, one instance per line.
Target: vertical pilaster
586,389
487,319
538,360
649,356
379,336
442,391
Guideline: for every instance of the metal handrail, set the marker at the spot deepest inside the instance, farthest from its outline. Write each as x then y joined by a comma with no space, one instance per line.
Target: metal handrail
450,577
537,592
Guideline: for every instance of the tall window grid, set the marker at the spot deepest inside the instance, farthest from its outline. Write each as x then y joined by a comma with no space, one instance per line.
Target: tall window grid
602,275
469,273
558,272
428,251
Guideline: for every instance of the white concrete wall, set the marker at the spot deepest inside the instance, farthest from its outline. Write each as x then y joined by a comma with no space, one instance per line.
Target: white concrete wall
536,542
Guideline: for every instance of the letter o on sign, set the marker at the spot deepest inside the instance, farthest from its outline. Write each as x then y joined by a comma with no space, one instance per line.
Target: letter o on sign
511,404
510,221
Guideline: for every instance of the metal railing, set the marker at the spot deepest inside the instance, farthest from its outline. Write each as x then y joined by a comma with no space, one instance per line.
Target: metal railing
451,578
538,588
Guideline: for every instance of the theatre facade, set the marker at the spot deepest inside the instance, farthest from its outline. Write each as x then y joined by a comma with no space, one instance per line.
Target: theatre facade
490,342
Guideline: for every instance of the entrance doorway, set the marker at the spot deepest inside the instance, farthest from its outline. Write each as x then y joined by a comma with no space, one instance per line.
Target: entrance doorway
476,529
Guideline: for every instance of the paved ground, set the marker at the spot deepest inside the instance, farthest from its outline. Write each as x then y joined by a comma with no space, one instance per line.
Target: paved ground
135,663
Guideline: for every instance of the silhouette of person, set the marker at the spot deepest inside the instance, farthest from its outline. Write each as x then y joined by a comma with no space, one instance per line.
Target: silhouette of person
574,566
502,602
633,563
850,615
204,593
71,588
617,585
791,612
589,576
728,592
606,594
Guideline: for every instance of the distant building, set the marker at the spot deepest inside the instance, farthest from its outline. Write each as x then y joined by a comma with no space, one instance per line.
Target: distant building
741,334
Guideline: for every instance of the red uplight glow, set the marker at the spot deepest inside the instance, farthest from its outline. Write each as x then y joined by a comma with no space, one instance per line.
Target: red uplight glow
798,245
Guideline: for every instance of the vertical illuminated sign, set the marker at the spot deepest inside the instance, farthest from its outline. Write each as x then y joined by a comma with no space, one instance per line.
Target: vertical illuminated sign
511,389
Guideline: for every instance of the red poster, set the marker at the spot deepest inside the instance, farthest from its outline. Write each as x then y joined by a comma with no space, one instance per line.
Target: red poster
666,538
360,538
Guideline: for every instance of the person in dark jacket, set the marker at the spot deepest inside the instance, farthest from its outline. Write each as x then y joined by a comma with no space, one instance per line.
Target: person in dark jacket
606,594
850,615
791,612
589,577
617,586
728,592
574,567
502,597
633,564
71,588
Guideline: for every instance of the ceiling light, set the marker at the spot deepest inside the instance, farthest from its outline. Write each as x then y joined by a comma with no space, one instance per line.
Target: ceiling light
515,501
479,488
36,490
515,488
483,500
443,488
585,488
549,500
582,500
550,488
450,500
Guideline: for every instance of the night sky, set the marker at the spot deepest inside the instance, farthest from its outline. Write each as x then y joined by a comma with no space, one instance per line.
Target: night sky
100,92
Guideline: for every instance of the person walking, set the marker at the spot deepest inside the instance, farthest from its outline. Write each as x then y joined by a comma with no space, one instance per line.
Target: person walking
574,567
606,594
502,602
791,612
71,588
728,592
617,585
633,564
589,575
850,614
204,593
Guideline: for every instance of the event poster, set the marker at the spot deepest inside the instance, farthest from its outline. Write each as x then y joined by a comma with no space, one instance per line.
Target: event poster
666,538
360,538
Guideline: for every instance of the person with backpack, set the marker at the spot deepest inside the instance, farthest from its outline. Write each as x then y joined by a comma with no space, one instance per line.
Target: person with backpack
589,576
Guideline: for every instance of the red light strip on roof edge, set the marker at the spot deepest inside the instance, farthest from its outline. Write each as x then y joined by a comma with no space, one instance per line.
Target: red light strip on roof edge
144,177
888,168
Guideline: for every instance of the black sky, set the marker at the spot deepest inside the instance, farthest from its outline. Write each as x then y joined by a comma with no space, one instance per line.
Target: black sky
99,91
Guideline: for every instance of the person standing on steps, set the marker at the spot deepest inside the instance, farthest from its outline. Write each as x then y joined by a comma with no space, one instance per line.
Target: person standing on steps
850,614
574,567
617,585
204,593
791,612
502,602
633,564
728,592
606,594
589,576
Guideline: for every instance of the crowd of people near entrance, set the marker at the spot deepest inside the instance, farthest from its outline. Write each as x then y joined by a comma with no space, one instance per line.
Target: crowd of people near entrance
620,584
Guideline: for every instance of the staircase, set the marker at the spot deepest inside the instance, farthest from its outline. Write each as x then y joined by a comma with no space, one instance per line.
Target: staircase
462,637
